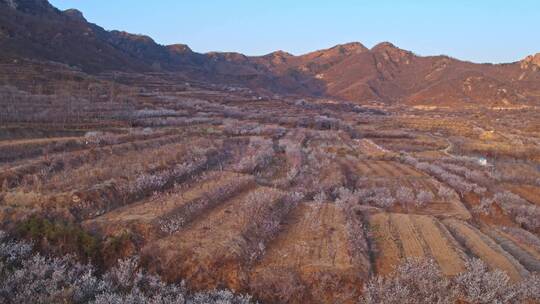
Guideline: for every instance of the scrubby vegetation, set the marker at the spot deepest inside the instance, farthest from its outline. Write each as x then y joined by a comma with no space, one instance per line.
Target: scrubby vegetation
28,277
63,236
421,281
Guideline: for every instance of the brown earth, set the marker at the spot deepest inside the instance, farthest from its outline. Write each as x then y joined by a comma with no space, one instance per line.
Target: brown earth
384,73
192,162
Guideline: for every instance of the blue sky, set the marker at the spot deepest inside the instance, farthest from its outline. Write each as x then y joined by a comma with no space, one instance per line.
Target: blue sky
475,30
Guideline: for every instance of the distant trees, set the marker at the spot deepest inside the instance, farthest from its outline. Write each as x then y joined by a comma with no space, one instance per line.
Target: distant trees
258,155
379,196
242,128
423,197
458,183
63,104
383,197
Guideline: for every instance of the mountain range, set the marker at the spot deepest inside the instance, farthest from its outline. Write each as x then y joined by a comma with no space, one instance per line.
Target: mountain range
34,29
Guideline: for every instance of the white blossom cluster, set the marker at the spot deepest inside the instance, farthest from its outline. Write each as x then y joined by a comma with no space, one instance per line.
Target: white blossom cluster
27,277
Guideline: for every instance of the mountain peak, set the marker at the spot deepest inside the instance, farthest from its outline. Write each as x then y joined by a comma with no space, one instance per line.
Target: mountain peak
531,62
132,37
340,50
29,6
351,47
280,53
383,46
75,14
179,48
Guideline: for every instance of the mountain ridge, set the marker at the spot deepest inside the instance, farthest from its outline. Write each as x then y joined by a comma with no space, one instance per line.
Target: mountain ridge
384,73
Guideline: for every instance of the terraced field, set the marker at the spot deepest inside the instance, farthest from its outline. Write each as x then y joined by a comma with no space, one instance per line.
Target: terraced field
312,260
286,201
486,249
402,236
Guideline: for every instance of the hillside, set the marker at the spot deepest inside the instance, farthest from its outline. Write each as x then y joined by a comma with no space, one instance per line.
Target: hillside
385,73
345,175
291,201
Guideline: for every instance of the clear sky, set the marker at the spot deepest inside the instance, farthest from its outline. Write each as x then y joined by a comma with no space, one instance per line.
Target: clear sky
476,30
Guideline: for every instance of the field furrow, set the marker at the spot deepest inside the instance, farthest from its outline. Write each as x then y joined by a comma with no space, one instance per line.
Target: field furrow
484,248
165,213
313,254
409,238
386,169
378,168
524,256
440,247
407,170
363,169
217,247
387,251
528,241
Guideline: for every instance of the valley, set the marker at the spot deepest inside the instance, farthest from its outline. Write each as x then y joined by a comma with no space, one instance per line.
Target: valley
289,178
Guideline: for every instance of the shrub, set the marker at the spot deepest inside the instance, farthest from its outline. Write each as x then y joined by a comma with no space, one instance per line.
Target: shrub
413,282
485,205
380,197
33,278
100,138
60,234
424,197
258,155
265,209
183,215
446,193
421,281
348,201
524,213
405,195
320,197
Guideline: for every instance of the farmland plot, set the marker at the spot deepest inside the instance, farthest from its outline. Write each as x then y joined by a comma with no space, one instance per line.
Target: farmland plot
530,193
401,236
164,213
481,246
313,256
217,247
295,201
395,178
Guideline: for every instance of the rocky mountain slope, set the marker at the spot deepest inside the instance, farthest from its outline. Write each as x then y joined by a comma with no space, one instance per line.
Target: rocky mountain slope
385,73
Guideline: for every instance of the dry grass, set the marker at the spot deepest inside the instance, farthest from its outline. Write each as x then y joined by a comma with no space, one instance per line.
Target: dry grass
442,249
145,218
484,248
313,247
214,249
388,252
409,239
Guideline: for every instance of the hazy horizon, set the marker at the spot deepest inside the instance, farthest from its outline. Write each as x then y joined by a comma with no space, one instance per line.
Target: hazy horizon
483,31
